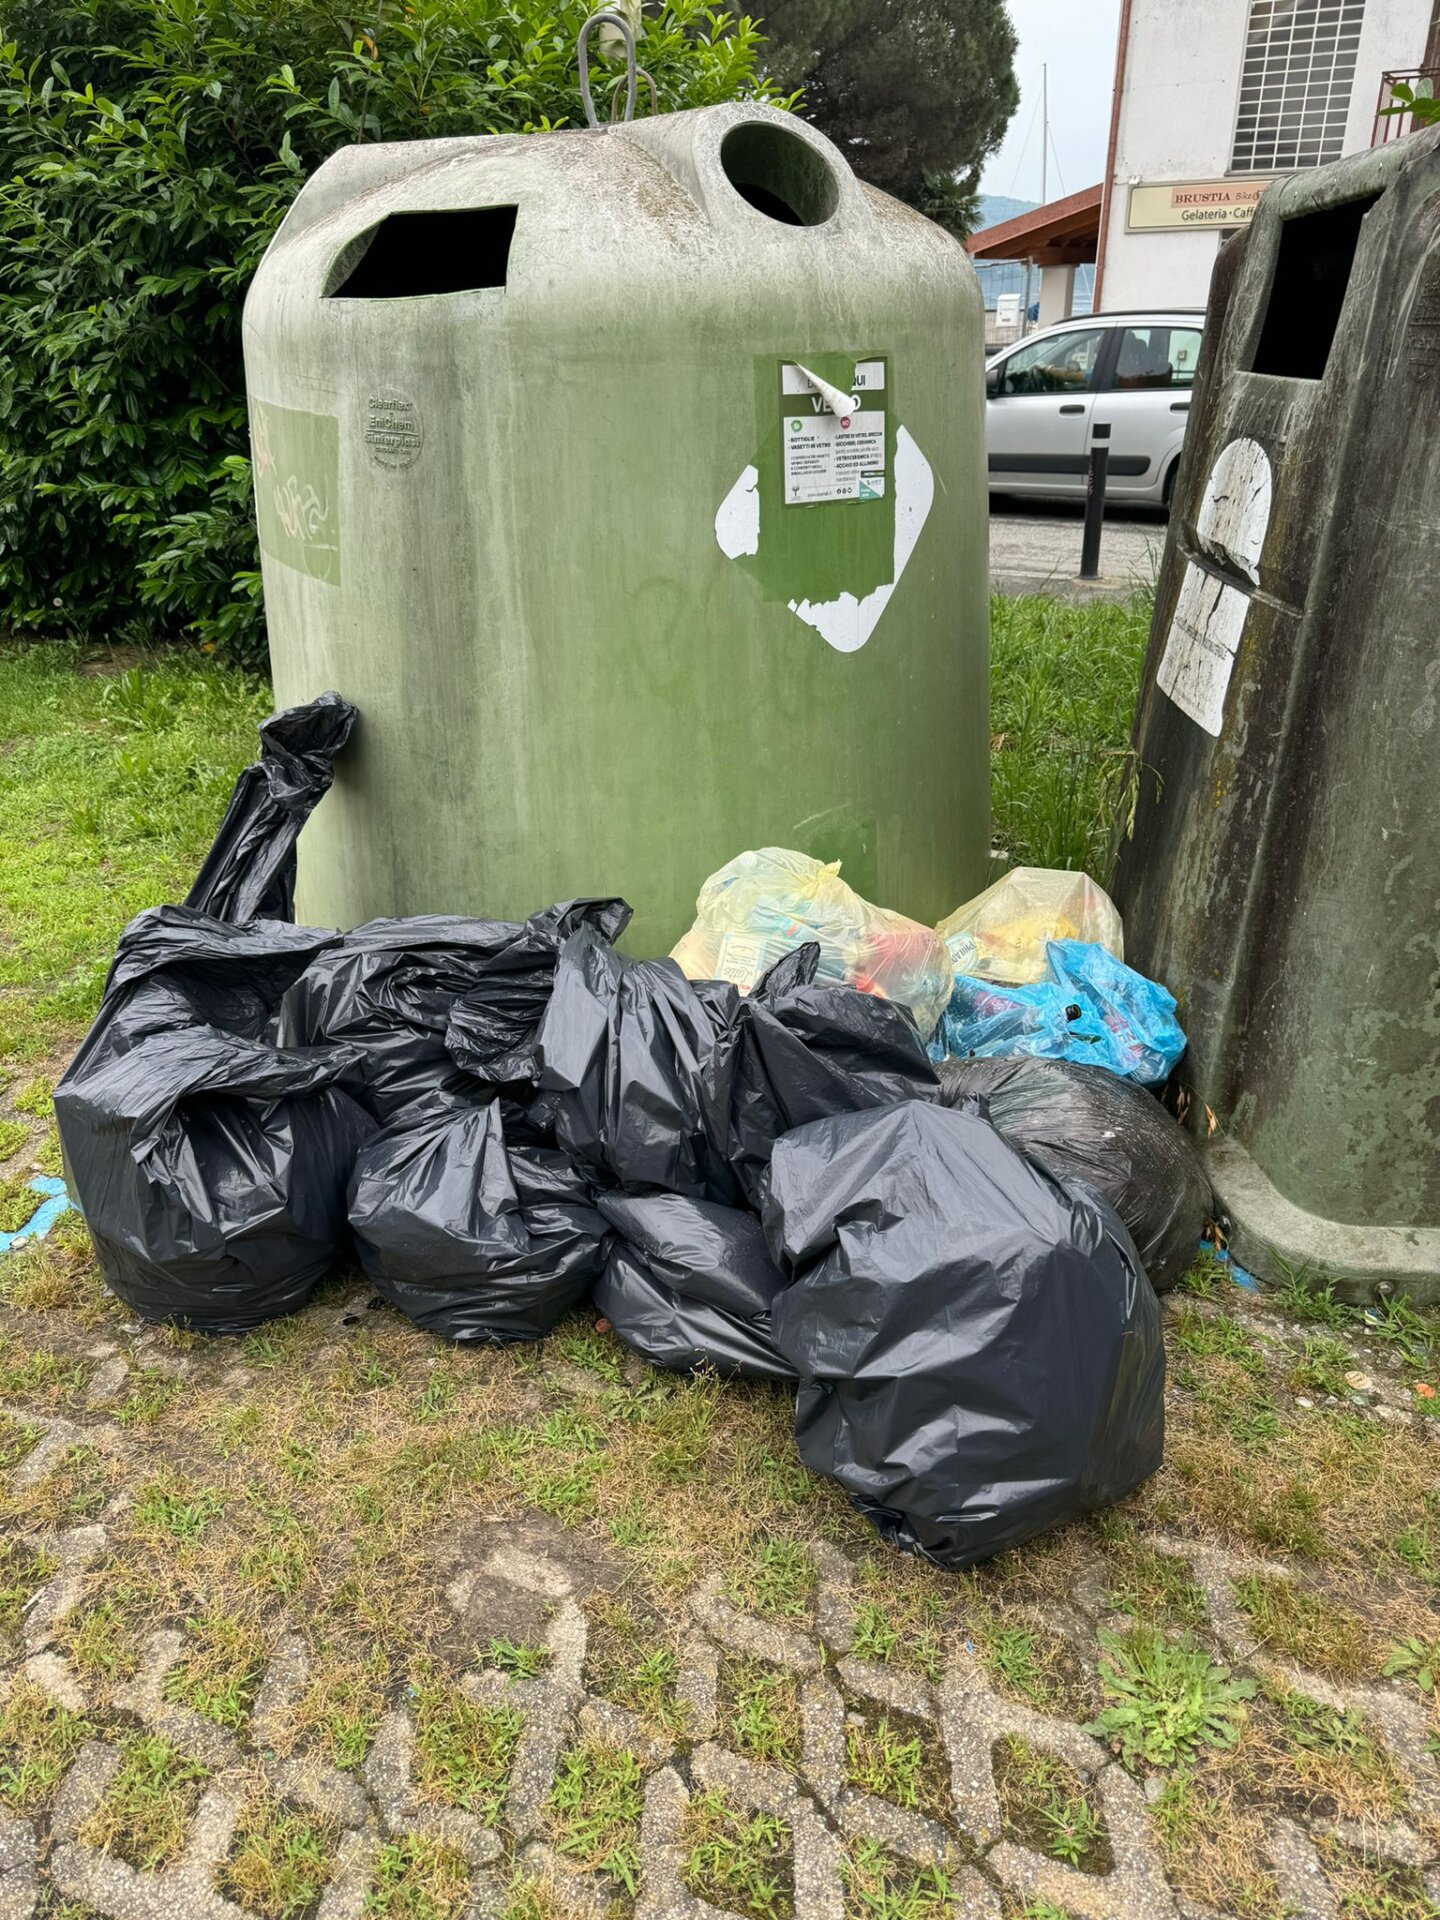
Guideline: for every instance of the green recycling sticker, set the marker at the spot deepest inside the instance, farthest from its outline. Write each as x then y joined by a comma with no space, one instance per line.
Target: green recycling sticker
828,513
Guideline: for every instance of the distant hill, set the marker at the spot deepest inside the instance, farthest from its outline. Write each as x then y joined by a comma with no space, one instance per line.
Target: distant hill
995,207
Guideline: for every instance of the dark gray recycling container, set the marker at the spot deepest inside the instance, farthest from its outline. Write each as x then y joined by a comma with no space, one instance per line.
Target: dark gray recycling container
1283,872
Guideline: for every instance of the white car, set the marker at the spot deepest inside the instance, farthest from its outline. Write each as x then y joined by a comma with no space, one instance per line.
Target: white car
1048,393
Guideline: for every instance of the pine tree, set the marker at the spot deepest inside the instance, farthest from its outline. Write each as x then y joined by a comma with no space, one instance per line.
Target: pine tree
916,93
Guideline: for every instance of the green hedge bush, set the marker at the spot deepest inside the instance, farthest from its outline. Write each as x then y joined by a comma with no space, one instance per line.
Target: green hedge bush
150,149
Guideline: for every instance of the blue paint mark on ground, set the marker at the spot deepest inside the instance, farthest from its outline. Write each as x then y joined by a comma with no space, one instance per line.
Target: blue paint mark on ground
51,1201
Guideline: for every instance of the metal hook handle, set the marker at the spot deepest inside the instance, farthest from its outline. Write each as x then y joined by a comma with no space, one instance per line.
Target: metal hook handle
627,33
649,80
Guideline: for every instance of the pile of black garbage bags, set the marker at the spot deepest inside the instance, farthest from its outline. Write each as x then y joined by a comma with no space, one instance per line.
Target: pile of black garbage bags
502,1120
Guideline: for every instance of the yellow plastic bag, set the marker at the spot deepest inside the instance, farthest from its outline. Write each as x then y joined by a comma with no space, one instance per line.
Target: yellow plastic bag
1001,933
764,904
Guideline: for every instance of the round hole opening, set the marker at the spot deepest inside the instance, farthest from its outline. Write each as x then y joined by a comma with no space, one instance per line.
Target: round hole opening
779,175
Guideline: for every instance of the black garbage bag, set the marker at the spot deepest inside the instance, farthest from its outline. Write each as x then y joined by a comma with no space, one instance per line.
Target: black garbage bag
802,1050
493,1028
471,1238
249,873
625,1055
1083,1122
390,987
689,1285
210,1165
978,1349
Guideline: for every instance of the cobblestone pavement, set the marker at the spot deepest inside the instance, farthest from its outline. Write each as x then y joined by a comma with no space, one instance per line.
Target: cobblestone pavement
959,1719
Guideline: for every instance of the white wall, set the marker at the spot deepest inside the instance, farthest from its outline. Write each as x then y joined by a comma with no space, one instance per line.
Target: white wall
1177,120
1392,36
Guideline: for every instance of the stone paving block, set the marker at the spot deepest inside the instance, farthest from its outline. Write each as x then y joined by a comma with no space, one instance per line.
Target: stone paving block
1298,1872
344,1897
758,1788
19,1881
189,1732
743,1633
532,1576
74,1550
387,1774
303,1778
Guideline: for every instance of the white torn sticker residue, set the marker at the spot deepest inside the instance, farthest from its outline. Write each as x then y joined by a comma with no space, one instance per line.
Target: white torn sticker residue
1201,645
737,521
847,623
1209,618
1234,515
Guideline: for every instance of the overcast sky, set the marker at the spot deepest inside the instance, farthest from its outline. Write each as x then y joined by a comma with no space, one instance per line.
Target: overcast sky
1078,42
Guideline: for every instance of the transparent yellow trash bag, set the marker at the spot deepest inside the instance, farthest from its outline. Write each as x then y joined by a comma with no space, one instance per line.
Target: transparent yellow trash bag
1001,934
764,904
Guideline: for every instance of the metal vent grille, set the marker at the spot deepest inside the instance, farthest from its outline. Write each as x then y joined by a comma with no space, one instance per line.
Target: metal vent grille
1295,84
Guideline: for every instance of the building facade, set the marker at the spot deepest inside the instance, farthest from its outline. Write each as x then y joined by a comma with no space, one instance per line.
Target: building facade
1214,99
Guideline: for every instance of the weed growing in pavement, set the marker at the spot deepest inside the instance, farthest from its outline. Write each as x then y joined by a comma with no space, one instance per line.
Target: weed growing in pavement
600,1353
738,1861
880,1885
149,1394
17,1438
1022,1661
1167,1698
148,1805
595,1808
38,1740
26,1373
776,1579
1153,1587
1310,1628
220,1673
18,1199
418,1878
75,1489
1305,1751
172,1506
463,1750
913,1628
1044,1805
24,1569
759,1710
1417,1661
1213,1846
1322,1365
343,1701
631,1660
279,1861
513,1657
1367,1887
897,1758
1298,1295
1216,1336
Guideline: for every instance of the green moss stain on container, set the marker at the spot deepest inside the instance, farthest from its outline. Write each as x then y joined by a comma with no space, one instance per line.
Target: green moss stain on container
632,485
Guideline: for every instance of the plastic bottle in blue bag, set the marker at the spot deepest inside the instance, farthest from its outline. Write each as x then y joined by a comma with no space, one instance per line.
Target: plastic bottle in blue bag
1090,1009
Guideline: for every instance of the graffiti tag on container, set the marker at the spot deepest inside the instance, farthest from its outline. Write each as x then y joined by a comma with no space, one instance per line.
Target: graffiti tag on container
299,509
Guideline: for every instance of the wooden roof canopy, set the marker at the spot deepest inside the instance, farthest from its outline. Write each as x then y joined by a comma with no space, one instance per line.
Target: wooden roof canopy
1063,233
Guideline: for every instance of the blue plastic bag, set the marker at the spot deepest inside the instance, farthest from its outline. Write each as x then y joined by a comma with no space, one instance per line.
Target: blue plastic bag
1092,1010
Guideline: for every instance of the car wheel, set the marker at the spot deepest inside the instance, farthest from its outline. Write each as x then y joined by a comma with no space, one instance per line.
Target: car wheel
1167,492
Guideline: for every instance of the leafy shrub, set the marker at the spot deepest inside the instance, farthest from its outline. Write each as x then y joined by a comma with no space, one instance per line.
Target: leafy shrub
150,149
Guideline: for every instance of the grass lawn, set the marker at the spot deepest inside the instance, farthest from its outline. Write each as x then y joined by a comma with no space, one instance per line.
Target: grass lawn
346,1480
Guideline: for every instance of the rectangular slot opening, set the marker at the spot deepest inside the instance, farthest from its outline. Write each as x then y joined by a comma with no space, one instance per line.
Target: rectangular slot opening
458,251
1312,271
